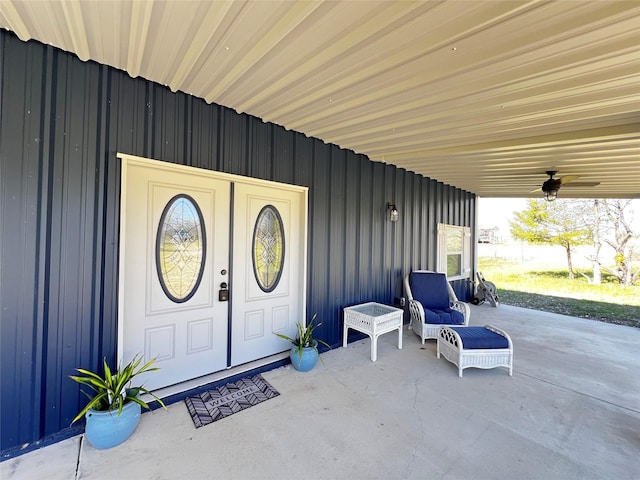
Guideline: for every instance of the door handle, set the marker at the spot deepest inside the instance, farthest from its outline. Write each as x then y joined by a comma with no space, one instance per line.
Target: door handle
223,293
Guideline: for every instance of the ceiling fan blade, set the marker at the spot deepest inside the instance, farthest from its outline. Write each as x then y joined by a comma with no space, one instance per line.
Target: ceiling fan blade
568,178
539,189
582,184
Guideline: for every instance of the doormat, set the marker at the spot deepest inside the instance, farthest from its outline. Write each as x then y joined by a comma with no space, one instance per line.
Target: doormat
224,401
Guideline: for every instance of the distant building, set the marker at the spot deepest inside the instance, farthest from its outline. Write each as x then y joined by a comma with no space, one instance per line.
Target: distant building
488,235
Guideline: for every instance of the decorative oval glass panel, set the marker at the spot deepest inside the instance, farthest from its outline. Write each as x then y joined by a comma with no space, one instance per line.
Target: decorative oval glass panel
180,248
268,248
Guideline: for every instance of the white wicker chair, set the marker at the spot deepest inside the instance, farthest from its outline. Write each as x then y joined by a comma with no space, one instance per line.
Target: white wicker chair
418,319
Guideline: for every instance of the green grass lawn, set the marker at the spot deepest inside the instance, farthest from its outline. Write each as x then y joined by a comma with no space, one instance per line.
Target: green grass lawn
537,287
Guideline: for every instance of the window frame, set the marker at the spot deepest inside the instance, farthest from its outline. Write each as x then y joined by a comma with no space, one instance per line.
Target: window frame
160,239
443,253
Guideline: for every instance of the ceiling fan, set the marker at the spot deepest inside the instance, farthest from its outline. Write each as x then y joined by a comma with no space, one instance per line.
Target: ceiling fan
551,186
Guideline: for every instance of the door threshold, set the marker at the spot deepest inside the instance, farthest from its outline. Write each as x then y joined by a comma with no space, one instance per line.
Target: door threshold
174,393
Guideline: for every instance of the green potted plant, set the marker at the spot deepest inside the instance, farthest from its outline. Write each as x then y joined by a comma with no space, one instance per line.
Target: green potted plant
304,353
114,407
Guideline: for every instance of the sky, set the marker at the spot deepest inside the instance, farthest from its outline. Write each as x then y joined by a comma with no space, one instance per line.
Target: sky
496,212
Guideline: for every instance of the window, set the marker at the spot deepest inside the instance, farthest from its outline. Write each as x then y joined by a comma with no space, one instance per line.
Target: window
454,251
180,248
268,248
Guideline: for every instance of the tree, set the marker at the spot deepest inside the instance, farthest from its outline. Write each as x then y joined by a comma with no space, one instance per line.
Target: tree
610,222
557,223
620,234
596,222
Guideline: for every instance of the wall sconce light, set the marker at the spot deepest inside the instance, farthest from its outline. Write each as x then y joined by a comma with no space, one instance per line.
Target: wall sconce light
394,215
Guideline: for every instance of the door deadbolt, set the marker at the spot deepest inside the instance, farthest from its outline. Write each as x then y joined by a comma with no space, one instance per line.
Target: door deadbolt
223,293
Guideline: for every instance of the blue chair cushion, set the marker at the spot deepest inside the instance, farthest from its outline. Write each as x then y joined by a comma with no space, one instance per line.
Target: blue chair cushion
430,289
445,316
480,337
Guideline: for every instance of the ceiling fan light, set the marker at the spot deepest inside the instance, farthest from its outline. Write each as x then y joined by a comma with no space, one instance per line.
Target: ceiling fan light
551,187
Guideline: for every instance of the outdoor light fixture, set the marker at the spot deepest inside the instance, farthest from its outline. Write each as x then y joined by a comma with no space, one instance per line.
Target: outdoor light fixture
394,215
551,186
550,195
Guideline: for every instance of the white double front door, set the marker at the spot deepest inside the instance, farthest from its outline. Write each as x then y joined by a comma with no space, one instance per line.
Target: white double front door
211,267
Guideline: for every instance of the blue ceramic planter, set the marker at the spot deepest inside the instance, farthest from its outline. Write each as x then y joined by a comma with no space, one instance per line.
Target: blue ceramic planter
308,359
108,429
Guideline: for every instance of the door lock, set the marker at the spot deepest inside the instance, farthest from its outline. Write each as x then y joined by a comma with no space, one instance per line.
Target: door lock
223,293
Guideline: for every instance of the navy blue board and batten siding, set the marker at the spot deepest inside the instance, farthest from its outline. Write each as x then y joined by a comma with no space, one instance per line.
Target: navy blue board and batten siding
62,123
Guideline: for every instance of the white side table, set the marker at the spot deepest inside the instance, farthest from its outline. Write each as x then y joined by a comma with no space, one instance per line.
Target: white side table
374,319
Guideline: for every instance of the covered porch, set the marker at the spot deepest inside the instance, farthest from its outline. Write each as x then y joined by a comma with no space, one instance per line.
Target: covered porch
570,411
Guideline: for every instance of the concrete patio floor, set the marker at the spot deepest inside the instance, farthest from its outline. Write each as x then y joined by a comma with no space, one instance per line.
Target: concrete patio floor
570,411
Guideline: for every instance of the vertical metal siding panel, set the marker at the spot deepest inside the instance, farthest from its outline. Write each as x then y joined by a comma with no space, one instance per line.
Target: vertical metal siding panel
404,189
234,144
168,114
43,309
107,335
282,162
320,261
440,204
187,134
204,134
394,231
439,218
409,224
21,136
365,272
380,262
471,222
86,141
302,171
424,239
98,149
127,128
418,224
53,328
454,206
413,221
464,221
445,203
433,224
352,239
416,205
107,229
70,319
451,204
261,148
336,251
448,204
90,114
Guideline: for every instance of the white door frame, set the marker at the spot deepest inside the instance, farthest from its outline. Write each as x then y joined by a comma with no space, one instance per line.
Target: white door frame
127,159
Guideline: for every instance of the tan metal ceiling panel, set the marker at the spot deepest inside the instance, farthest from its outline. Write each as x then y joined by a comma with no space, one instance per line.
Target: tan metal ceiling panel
482,95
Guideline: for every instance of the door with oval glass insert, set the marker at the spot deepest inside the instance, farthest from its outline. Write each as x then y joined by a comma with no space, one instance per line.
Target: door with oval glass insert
174,250
269,254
